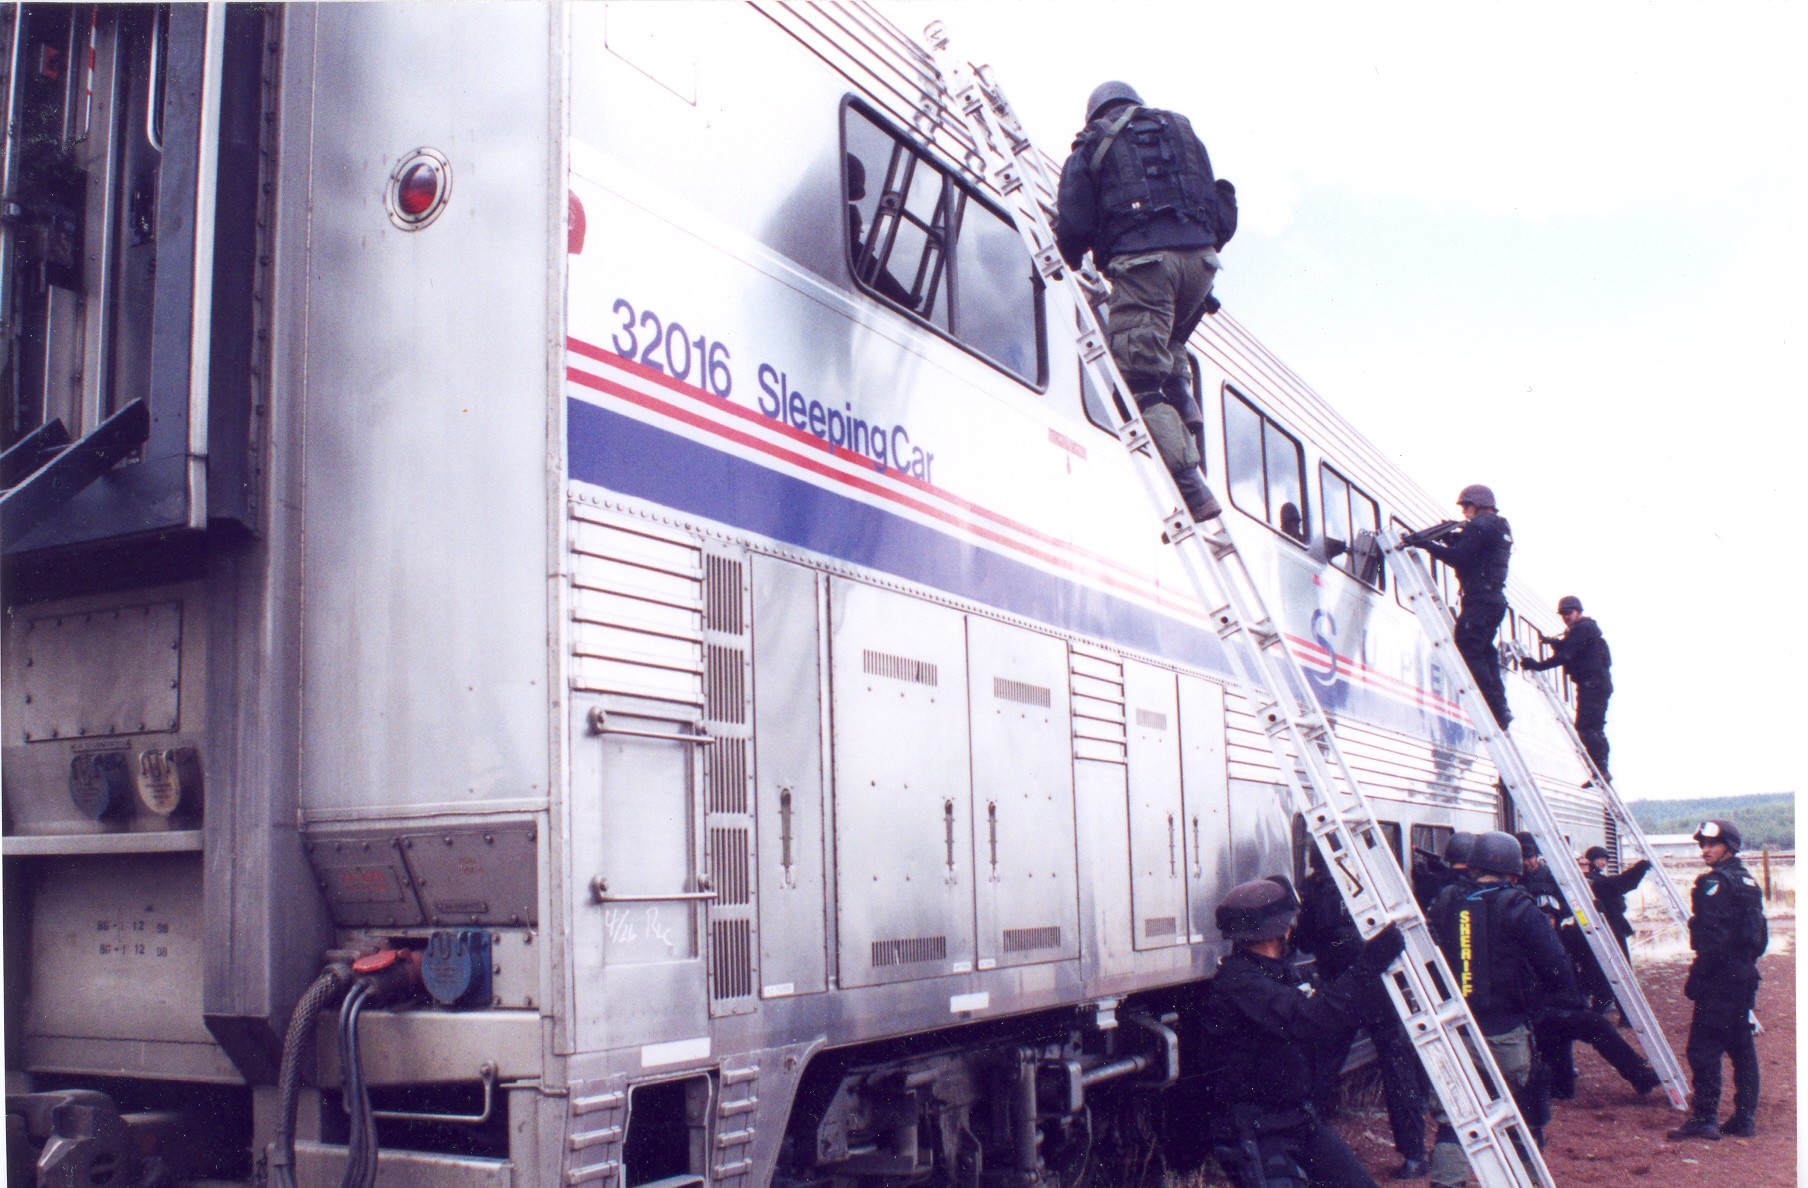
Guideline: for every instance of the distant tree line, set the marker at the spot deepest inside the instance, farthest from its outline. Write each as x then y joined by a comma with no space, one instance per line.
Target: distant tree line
1766,821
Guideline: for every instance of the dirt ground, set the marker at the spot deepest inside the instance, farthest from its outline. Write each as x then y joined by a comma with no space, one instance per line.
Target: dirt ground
1609,1135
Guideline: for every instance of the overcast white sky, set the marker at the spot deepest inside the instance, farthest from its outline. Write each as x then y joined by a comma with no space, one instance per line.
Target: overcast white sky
1554,248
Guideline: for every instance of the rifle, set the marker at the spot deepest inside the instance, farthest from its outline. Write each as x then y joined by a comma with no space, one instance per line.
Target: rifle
1426,535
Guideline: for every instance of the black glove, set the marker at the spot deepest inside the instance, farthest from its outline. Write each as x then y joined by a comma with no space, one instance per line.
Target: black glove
1380,950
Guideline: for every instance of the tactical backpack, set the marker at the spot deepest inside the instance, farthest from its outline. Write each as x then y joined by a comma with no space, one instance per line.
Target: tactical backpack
1148,162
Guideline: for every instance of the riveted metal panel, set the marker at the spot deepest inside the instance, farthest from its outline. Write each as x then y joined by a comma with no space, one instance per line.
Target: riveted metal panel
106,672
1206,798
475,874
365,881
1157,874
1023,812
788,721
903,814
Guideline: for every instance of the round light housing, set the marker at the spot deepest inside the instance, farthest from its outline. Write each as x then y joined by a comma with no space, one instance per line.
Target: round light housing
419,187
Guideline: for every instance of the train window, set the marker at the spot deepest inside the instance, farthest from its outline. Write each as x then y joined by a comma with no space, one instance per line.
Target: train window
1266,467
1347,510
1395,841
924,242
1442,580
1431,838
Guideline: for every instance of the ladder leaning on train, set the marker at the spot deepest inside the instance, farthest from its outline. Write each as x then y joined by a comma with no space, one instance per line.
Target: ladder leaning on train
1324,791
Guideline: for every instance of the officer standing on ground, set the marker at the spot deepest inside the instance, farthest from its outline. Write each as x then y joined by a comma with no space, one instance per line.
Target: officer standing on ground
1583,653
1537,880
1505,956
1610,898
1265,1032
1478,551
1326,931
1139,194
1728,932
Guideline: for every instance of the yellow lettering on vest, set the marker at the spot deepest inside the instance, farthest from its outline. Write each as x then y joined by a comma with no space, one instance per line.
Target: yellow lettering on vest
1466,949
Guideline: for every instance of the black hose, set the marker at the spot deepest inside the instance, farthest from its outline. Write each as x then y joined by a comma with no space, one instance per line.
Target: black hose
361,1148
296,1041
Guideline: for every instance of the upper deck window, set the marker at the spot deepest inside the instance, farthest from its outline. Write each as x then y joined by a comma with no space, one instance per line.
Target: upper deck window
1347,511
923,241
1266,467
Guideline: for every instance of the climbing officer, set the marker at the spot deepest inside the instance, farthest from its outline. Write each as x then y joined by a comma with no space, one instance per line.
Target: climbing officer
1728,933
1610,892
1582,651
1139,194
1478,551
1265,1032
1327,931
1505,956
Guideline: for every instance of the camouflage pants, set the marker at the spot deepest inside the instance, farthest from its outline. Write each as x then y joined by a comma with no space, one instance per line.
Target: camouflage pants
1157,299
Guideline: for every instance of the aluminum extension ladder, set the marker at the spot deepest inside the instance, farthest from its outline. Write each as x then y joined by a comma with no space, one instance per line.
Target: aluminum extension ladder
1623,819
1477,1100
1434,618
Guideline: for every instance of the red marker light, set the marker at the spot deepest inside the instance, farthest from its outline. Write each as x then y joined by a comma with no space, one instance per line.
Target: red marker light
419,187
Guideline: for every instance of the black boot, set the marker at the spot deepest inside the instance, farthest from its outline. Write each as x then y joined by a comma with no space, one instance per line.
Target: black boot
1696,1128
1740,1126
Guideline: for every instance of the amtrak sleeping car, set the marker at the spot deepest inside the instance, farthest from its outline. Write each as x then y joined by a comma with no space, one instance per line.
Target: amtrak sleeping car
581,523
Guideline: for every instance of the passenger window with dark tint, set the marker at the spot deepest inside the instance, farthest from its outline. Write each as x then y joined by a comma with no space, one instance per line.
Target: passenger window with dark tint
1347,511
922,241
1391,831
1266,468
1431,838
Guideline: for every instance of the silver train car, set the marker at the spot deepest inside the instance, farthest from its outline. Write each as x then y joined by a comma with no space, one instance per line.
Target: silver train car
586,512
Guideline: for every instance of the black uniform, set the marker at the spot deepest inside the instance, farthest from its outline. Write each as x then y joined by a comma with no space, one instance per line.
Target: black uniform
1478,551
1265,1037
1139,194
1326,931
1557,1030
1610,898
1728,932
1583,653
1508,963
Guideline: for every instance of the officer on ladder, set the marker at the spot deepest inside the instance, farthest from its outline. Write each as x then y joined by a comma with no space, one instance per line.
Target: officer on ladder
1478,550
1728,932
1582,651
1610,898
1507,960
1265,1031
1139,194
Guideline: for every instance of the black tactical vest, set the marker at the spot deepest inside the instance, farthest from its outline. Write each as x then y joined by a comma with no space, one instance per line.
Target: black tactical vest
1154,165
1471,926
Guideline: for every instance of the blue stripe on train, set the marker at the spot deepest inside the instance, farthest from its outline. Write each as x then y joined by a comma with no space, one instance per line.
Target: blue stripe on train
626,455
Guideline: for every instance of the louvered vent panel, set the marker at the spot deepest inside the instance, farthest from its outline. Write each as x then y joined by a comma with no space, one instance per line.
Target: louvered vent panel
898,668
910,950
1026,940
1022,692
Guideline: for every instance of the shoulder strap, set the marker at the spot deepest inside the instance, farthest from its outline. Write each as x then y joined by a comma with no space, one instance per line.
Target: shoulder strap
1117,125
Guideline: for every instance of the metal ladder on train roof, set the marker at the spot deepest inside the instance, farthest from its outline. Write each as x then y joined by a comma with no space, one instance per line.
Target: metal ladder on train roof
1434,618
1476,1098
1623,819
